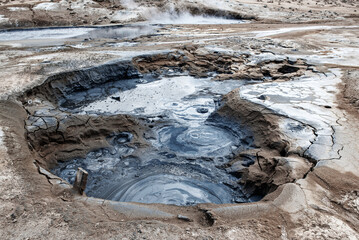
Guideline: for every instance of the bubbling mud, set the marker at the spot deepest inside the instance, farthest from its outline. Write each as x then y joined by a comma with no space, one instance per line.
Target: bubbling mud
204,140
188,145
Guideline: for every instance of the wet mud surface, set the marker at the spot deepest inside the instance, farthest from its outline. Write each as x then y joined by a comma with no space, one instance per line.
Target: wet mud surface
189,146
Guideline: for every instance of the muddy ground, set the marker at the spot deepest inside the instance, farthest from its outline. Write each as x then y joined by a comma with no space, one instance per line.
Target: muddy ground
302,57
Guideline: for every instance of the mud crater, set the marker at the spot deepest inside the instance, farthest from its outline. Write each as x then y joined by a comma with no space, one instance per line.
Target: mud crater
187,147
153,136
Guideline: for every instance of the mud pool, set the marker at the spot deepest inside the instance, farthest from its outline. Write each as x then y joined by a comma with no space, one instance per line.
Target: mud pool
189,145
61,35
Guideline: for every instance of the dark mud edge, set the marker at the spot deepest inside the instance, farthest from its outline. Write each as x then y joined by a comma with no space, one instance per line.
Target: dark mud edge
74,136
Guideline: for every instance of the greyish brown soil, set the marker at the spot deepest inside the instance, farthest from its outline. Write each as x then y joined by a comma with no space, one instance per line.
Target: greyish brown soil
311,177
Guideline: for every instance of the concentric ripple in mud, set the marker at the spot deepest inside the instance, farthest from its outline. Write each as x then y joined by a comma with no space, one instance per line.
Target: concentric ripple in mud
205,140
170,189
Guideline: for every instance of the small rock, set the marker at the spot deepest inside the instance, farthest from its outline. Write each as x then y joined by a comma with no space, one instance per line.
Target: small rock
263,97
116,98
13,218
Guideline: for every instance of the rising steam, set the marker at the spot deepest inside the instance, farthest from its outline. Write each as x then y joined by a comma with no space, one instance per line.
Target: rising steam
170,13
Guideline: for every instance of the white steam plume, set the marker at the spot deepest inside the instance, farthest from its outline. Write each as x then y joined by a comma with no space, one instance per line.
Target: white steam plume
169,13
129,4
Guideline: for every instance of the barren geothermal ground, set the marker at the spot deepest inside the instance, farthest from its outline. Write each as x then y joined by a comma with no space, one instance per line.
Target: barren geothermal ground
233,119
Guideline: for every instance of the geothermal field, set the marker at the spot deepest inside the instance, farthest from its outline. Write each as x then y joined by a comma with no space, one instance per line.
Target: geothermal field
189,119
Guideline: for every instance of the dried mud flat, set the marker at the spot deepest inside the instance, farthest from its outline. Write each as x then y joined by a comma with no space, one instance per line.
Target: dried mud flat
296,64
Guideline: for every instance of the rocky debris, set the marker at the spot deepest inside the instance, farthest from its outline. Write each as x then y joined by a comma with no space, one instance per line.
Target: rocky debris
204,63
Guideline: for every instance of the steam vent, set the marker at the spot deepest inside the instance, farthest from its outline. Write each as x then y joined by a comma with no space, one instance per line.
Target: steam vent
133,119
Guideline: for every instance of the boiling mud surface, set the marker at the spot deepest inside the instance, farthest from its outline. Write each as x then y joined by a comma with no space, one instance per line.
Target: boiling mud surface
185,161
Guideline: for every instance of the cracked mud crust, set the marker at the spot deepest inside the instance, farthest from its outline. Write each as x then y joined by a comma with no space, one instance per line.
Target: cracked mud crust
300,102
